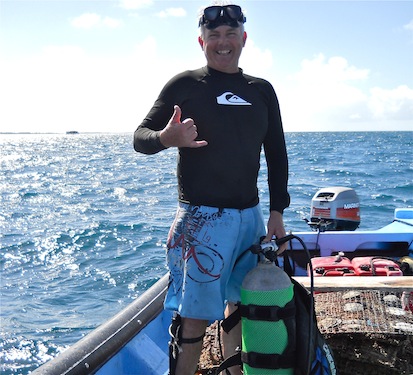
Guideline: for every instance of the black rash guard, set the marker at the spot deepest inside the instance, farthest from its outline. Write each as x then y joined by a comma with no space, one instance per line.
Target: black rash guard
236,114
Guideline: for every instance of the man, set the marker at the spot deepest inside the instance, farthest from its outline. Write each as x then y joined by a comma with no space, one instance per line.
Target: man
219,118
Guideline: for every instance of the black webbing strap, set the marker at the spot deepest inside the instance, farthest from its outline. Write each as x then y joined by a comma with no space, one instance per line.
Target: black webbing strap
268,313
176,341
234,360
268,361
191,341
231,321
257,312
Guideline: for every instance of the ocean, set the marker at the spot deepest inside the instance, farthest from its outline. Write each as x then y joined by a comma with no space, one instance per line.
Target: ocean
84,221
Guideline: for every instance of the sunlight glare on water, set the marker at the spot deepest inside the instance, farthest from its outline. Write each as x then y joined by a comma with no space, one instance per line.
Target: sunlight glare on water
84,221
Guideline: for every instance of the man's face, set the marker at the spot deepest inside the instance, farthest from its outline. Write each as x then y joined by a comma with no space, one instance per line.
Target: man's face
222,47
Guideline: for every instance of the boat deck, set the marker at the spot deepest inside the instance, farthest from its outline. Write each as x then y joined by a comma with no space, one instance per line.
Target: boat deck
383,283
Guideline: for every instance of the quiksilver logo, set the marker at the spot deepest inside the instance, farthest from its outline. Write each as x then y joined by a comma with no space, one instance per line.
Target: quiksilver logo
229,98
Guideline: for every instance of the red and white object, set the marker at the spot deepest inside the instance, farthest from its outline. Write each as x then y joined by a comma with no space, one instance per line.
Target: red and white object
337,265
335,208
375,266
407,301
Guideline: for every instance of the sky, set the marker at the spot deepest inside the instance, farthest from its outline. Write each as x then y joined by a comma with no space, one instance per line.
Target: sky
98,66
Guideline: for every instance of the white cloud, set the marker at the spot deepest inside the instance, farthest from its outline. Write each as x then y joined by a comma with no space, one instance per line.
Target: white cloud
409,26
256,61
112,23
324,88
92,20
66,88
331,94
336,69
172,12
135,4
86,21
395,104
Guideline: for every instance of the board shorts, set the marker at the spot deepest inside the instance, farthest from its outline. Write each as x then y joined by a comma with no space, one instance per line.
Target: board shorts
208,258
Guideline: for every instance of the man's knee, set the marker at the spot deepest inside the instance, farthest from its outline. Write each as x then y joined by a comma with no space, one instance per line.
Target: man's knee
193,327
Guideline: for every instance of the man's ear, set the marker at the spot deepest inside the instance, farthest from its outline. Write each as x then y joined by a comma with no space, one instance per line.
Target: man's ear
201,42
244,37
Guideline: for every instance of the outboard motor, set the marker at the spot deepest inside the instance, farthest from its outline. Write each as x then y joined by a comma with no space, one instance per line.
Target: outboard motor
335,208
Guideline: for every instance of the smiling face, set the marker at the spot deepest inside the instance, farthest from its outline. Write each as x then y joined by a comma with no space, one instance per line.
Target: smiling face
222,47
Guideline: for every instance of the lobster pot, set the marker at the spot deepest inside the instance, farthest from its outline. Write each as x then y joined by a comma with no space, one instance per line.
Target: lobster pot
265,285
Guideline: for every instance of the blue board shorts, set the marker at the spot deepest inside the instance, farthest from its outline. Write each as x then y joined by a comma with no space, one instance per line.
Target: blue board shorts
208,258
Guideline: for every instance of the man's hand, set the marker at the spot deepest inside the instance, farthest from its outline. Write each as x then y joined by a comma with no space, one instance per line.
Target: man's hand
180,134
275,227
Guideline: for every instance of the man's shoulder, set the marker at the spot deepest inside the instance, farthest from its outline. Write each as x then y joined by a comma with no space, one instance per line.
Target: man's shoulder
182,82
261,85
256,80
188,75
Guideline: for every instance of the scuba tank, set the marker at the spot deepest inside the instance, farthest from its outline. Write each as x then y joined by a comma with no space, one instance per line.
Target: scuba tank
267,318
279,325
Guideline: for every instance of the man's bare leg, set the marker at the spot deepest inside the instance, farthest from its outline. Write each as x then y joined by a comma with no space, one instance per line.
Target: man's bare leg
231,340
189,357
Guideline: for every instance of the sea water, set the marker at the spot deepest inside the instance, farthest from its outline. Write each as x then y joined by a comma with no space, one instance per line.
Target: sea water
84,219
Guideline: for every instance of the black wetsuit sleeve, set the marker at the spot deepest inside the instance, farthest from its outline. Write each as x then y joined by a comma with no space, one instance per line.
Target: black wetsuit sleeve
147,136
276,157
147,141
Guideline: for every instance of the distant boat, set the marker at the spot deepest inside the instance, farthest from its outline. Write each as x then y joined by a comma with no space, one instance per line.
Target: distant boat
72,132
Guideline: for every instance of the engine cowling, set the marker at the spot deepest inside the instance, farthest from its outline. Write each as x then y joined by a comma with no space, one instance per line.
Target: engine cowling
335,208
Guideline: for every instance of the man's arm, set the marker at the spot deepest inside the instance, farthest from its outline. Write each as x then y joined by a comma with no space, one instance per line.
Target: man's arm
174,134
277,163
275,227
